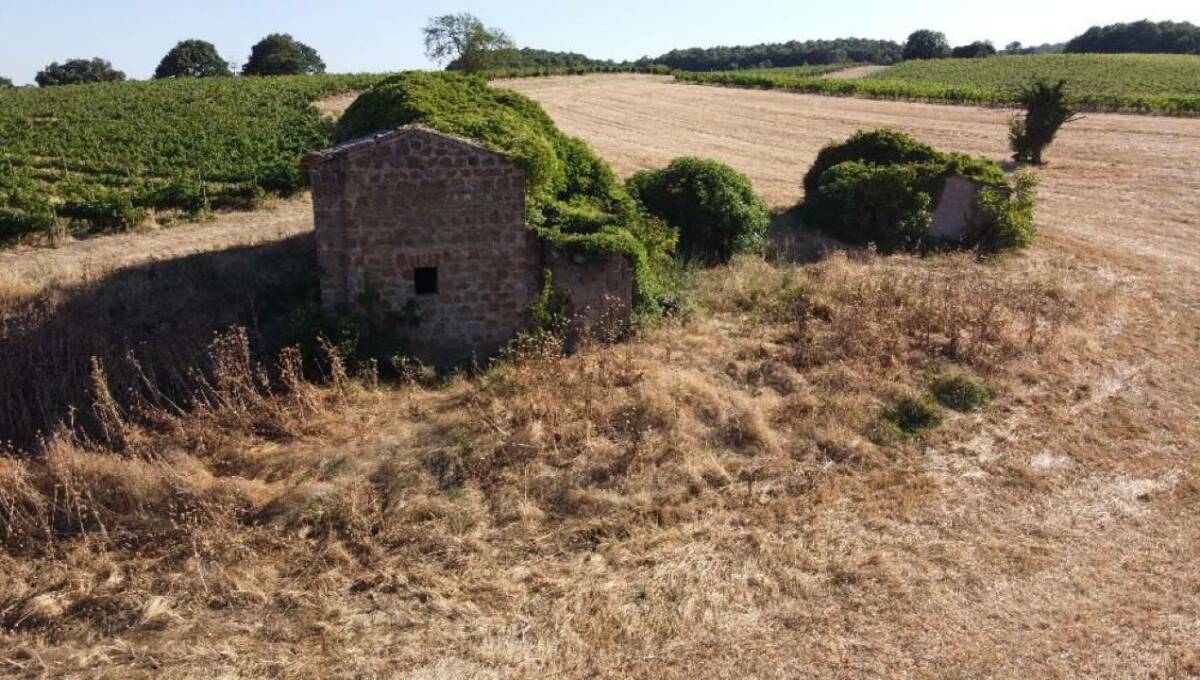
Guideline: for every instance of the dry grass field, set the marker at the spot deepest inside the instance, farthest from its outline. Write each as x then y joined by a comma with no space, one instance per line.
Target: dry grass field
715,498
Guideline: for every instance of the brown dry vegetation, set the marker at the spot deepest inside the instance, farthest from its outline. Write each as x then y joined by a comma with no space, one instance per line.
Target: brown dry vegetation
717,498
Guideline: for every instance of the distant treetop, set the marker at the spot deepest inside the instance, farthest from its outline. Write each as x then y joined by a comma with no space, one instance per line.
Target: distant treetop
192,59
1166,37
279,54
925,44
74,71
5,83
977,49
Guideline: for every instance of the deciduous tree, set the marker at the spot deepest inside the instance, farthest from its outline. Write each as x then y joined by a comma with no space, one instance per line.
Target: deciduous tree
75,71
465,42
925,44
192,59
279,54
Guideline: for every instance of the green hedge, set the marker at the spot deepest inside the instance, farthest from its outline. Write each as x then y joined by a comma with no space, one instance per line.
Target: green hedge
712,205
881,188
575,201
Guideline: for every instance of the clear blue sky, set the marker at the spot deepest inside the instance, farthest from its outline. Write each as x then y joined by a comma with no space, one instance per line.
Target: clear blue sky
383,35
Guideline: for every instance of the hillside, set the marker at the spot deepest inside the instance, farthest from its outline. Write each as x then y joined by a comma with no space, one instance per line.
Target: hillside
1168,84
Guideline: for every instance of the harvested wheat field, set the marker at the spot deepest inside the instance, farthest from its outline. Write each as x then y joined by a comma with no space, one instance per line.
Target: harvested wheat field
717,497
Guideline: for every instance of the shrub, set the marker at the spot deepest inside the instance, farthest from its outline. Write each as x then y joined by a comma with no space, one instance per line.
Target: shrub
181,193
877,147
1046,111
76,71
103,209
959,391
888,205
926,44
279,54
5,83
24,209
192,59
1011,224
882,187
712,205
574,200
913,416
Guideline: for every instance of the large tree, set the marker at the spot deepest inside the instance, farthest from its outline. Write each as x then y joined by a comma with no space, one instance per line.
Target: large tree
926,44
75,71
192,59
465,42
279,54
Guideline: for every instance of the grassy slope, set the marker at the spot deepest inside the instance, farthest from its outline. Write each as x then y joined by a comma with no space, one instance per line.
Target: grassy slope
1137,83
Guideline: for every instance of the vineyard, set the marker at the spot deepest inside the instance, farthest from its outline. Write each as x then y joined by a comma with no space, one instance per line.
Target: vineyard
99,157
1138,83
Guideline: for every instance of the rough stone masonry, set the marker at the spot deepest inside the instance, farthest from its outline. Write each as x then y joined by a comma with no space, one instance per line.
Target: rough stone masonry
429,228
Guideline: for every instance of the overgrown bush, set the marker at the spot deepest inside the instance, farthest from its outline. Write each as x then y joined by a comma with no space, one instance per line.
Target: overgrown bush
882,188
574,200
876,147
712,205
1046,111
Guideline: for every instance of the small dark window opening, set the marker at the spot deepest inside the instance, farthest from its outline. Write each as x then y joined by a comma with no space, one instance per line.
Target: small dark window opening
425,280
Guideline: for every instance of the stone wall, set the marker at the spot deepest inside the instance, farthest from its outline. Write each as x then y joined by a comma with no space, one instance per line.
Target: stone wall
391,203
600,290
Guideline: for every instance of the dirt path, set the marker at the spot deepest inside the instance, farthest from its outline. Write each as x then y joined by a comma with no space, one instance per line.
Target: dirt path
856,72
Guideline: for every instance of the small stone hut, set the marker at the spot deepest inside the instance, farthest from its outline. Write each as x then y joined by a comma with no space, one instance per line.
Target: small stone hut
432,228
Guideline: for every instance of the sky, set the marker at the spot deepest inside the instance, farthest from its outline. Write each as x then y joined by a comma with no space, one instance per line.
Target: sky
384,35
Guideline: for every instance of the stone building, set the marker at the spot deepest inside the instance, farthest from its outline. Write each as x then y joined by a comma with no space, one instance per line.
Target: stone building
431,228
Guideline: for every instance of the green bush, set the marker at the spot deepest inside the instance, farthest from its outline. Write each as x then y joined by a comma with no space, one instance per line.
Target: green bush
959,391
877,147
1046,111
574,200
882,188
712,205
913,416
186,195
24,209
102,209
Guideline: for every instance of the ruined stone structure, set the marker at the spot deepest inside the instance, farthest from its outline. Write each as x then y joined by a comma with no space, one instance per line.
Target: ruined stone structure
959,216
431,228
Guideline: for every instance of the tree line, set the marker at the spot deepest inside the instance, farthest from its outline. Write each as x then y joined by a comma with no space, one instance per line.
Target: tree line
464,43
275,55
1165,37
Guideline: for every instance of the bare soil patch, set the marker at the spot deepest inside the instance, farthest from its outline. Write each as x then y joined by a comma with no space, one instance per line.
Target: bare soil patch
855,72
